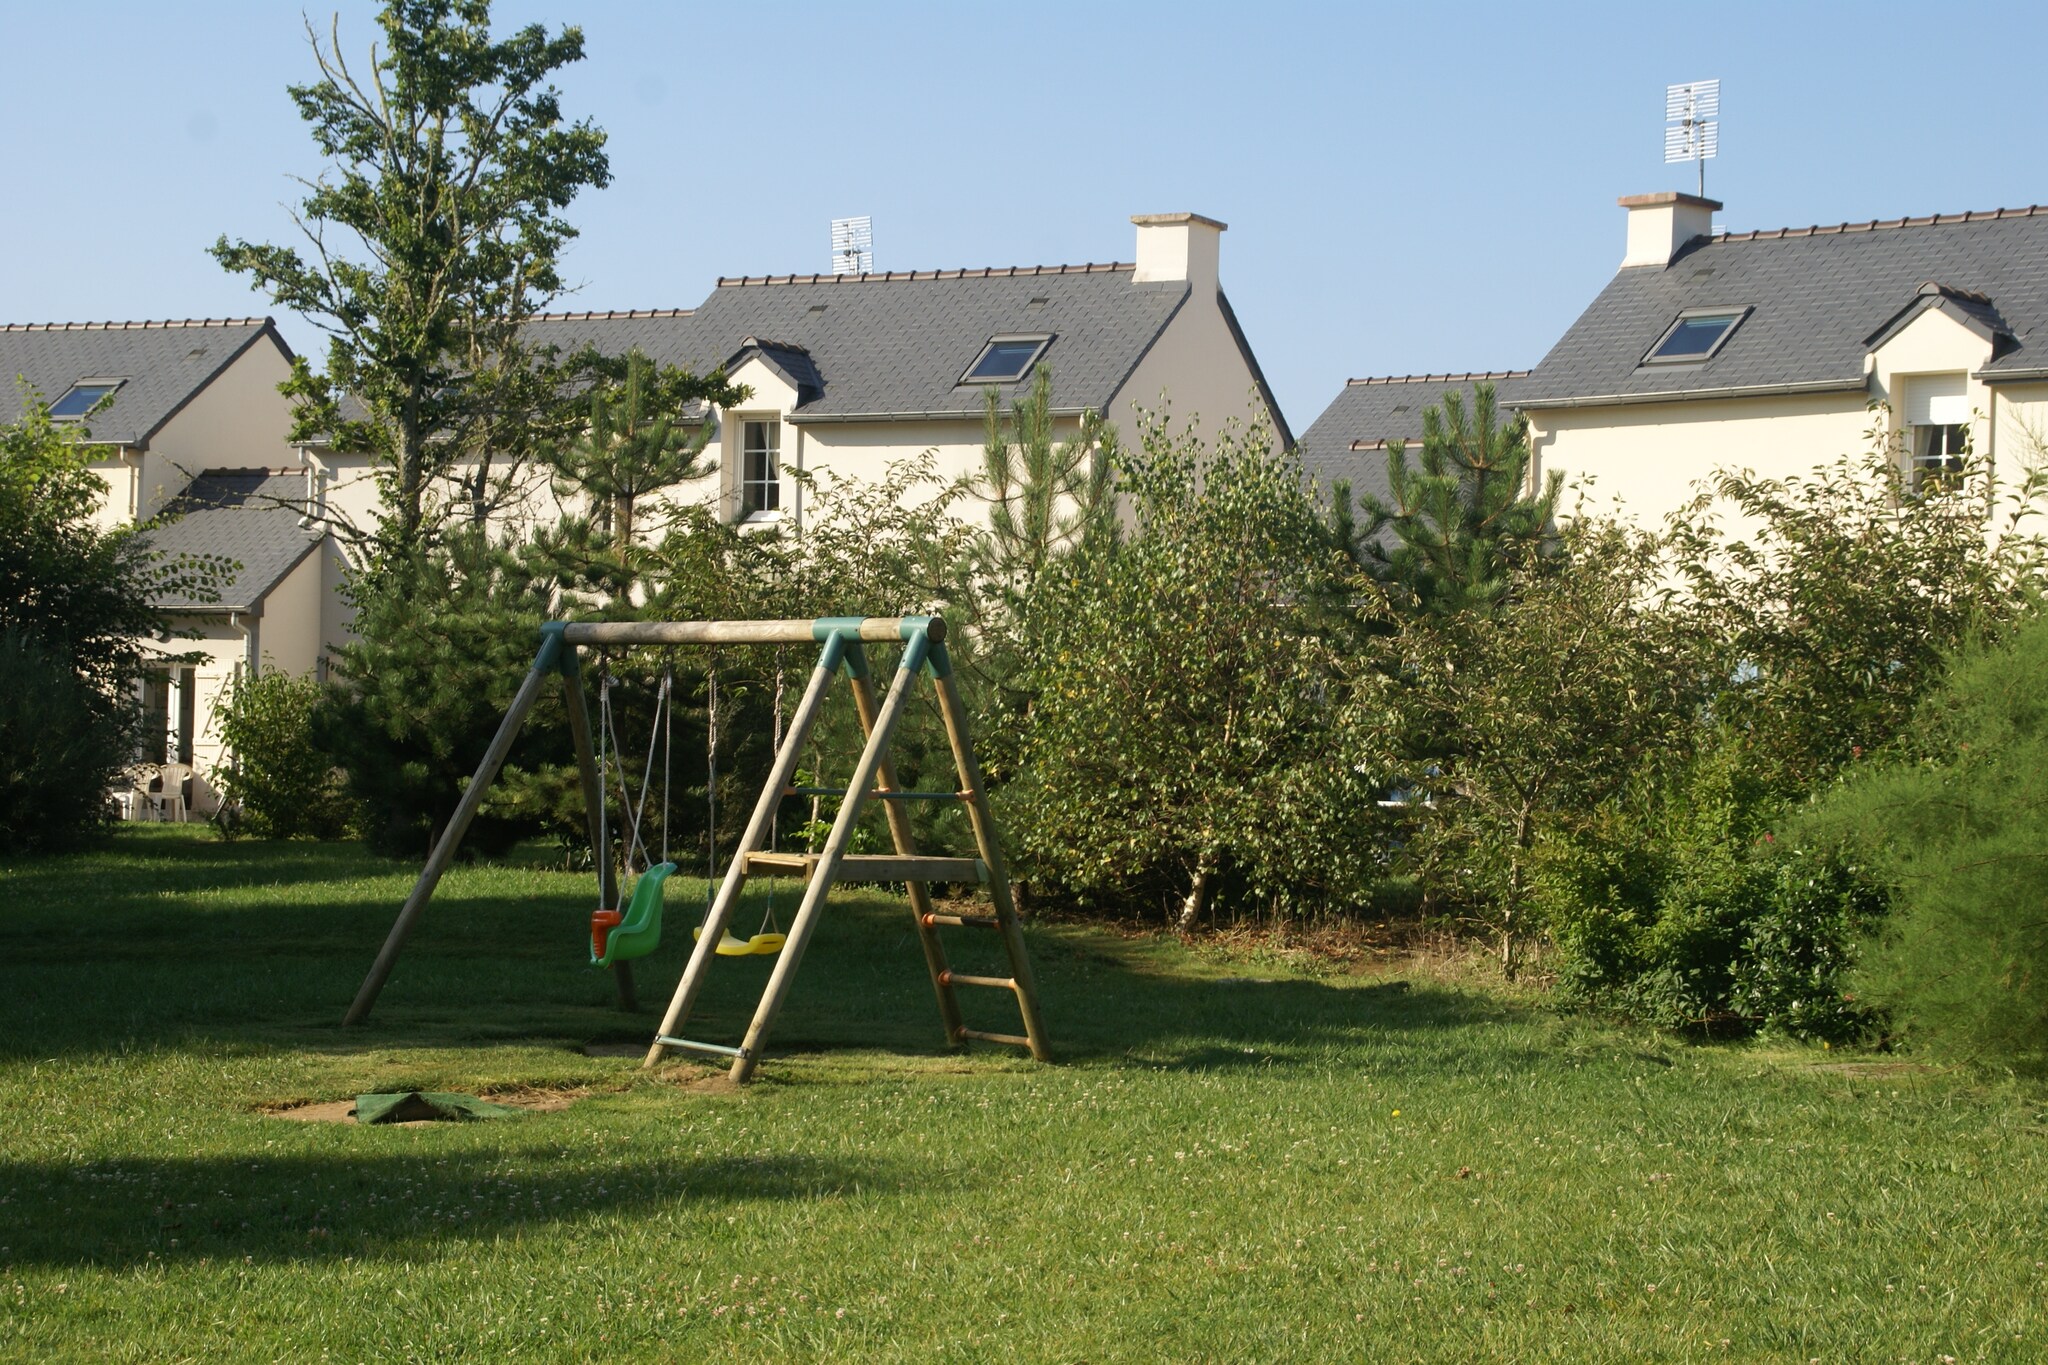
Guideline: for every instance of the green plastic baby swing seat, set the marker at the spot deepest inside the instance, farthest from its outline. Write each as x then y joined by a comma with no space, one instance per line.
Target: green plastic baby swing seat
638,932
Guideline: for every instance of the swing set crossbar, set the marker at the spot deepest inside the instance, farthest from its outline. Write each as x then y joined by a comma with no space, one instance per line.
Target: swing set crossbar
870,629
882,795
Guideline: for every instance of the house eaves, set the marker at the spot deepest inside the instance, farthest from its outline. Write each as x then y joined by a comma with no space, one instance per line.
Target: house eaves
804,419
1610,400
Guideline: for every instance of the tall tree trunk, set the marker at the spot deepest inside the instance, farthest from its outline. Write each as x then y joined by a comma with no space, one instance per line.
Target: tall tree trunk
1518,866
1198,893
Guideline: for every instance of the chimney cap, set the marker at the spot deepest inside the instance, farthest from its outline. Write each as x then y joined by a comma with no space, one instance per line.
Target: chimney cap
1664,197
1168,219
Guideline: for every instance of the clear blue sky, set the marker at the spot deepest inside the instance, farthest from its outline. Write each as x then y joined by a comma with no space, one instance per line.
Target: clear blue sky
1409,188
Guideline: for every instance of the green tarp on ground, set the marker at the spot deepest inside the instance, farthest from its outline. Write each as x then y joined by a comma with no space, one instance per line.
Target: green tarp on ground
408,1106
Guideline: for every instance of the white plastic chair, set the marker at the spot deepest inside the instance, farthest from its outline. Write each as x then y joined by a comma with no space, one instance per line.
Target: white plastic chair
169,797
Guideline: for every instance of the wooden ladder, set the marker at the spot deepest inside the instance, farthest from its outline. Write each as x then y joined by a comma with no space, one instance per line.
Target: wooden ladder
873,778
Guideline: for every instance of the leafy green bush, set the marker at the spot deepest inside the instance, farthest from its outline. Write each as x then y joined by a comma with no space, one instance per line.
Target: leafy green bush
281,784
1179,743
1958,822
1697,917
60,746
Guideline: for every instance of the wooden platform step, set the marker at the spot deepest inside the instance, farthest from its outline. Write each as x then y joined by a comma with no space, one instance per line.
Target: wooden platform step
871,867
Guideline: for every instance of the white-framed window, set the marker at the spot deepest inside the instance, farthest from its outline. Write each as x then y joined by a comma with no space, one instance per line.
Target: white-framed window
760,466
1937,428
1938,451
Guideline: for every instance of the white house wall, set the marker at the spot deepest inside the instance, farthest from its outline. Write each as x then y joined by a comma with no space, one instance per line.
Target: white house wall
238,421
1196,373
1650,458
290,631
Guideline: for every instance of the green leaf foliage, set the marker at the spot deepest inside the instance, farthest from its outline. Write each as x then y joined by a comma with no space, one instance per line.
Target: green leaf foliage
1178,740
280,783
1839,596
76,613
1681,908
1507,727
1460,526
1957,820
432,236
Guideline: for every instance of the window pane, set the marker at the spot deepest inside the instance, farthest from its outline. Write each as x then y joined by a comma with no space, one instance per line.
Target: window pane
1004,360
80,400
1694,336
760,467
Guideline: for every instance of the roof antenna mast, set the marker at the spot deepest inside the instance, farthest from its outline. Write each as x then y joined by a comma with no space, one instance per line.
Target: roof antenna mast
1692,124
853,246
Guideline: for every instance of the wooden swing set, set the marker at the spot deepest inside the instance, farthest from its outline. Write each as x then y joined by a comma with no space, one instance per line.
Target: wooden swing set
619,934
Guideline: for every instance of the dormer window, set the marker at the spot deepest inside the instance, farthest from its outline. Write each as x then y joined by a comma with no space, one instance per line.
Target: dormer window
1695,335
81,398
1005,359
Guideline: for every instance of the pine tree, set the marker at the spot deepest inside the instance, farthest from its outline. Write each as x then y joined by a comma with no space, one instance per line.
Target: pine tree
1460,521
1045,498
636,444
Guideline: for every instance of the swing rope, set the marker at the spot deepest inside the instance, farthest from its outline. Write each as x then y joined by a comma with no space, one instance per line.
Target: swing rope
620,932
769,938
632,813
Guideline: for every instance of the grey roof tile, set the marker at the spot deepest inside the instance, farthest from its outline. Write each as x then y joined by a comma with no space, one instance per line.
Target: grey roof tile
1817,297
236,514
162,363
897,344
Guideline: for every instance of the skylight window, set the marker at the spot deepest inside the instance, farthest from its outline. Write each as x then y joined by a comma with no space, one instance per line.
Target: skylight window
82,398
1695,336
1006,358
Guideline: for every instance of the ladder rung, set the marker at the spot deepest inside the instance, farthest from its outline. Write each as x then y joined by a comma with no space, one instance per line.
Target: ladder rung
963,979
1014,1040
690,1045
881,794
873,867
965,921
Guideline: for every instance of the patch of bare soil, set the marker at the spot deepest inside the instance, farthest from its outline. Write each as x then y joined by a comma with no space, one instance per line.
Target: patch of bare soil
697,1081
344,1111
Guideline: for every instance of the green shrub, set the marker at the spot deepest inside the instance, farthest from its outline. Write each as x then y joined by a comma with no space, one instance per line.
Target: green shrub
60,747
1696,917
282,784
1958,822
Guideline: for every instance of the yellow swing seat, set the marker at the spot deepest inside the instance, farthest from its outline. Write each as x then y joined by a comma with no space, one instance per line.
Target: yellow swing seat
731,945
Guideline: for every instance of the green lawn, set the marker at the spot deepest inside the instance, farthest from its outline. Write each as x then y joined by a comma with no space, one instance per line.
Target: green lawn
1236,1159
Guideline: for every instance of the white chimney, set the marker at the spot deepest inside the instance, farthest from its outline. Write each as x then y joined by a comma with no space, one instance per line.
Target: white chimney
1178,246
1659,224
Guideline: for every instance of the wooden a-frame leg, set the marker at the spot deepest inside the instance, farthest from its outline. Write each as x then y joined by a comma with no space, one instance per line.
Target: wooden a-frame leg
593,798
920,893
806,922
990,849
758,825
458,825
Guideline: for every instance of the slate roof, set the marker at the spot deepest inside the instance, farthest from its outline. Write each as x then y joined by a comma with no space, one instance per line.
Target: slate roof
1349,441
895,345
1819,297
234,513
163,363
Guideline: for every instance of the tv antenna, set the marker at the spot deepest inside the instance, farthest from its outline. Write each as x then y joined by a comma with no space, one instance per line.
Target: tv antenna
853,246
1692,125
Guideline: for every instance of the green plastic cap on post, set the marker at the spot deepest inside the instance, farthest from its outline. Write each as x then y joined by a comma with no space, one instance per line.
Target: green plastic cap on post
846,630
555,651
